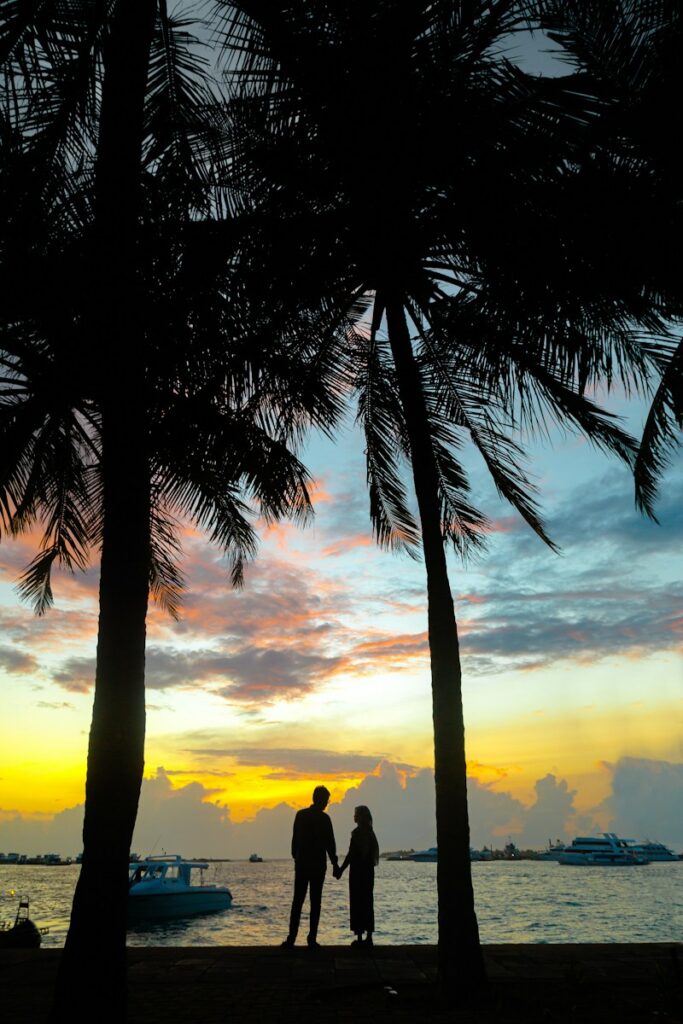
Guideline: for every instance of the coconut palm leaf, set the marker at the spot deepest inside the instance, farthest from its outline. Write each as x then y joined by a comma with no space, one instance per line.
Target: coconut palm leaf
381,417
184,122
630,49
661,434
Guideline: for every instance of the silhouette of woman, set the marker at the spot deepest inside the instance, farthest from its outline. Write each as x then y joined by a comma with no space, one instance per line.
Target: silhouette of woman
362,858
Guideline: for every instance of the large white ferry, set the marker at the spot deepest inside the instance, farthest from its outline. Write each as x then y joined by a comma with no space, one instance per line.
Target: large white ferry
607,850
652,850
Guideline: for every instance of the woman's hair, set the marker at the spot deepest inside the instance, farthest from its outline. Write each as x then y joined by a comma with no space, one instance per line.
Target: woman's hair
364,816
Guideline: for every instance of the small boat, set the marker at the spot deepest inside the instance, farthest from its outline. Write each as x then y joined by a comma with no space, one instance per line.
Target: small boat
23,934
429,856
255,859
160,888
607,850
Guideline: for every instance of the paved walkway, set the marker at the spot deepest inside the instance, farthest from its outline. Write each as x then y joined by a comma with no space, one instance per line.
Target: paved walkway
562,984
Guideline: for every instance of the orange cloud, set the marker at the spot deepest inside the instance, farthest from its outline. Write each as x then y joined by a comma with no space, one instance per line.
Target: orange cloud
319,495
408,643
346,544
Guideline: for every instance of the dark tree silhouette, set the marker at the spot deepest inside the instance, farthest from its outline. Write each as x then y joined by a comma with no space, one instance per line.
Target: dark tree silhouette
628,55
390,149
141,391
384,147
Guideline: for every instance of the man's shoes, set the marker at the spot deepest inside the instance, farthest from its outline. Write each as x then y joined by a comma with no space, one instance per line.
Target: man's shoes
287,944
312,944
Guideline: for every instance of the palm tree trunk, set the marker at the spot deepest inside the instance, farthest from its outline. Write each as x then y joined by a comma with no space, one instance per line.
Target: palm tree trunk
460,957
91,982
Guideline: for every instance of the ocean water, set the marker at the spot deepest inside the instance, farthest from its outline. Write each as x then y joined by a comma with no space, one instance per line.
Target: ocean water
519,901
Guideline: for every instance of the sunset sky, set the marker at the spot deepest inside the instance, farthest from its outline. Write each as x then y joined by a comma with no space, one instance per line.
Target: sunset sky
318,672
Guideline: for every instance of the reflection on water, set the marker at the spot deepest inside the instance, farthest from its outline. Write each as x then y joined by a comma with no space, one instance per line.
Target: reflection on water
161,933
522,901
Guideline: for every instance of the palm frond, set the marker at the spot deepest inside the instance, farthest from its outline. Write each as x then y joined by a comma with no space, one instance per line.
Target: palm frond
185,125
661,434
166,581
468,400
35,583
461,523
381,418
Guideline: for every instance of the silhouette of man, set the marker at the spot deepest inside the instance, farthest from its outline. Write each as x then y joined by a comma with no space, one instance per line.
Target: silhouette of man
312,843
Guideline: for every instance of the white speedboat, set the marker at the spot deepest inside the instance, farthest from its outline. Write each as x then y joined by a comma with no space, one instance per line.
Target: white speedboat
607,850
160,887
429,856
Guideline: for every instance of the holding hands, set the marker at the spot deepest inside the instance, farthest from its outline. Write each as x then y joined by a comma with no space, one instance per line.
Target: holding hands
337,871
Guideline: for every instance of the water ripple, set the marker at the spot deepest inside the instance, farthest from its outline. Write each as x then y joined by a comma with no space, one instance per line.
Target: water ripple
516,902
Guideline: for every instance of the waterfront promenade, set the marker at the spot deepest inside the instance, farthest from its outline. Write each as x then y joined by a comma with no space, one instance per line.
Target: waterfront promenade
563,984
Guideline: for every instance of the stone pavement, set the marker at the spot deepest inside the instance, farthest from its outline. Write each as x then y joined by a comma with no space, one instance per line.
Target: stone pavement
565,984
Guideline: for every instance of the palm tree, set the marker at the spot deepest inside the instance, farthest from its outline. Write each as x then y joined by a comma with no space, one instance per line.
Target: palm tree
113,127
390,149
206,449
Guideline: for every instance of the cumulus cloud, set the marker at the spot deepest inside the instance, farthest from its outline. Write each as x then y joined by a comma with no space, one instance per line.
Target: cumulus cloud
645,801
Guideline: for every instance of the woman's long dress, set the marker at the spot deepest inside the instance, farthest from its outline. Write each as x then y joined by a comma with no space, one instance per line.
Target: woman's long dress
362,857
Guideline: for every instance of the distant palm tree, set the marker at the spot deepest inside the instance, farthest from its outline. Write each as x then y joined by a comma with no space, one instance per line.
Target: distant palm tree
390,149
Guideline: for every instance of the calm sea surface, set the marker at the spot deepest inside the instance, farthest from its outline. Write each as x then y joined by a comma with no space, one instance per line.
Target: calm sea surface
523,901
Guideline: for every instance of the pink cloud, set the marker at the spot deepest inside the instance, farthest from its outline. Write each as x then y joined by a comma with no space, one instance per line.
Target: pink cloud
346,544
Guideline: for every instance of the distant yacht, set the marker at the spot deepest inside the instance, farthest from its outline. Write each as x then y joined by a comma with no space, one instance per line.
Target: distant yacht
429,856
607,850
553,850
255,859
652,850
